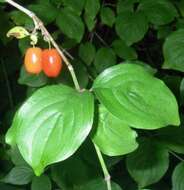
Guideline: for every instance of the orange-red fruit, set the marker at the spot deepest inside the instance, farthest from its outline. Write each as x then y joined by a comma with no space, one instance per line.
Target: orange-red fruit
52,62
33,60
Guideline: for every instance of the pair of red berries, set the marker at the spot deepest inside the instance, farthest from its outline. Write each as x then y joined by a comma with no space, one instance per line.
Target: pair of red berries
49,61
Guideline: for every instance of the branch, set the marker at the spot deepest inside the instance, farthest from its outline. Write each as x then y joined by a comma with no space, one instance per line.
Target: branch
40,26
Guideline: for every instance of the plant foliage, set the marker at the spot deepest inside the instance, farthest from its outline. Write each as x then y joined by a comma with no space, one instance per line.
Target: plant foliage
128,57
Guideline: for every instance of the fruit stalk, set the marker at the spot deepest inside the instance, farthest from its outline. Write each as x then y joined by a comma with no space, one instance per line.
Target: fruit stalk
40,26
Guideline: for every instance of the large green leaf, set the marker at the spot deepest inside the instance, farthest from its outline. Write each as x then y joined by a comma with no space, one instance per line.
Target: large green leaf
148,163
121,138
70,24
51,125
174,51
159,12
133,95
131,27
177,177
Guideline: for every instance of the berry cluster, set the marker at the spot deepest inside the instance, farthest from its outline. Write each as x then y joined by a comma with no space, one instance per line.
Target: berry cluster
37,60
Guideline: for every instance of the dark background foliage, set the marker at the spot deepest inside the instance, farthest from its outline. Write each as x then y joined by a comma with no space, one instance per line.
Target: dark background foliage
98,34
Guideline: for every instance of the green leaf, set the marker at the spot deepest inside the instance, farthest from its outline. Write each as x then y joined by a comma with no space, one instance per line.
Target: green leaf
19,175
67,176
147,67
105,57
182,91
179,24
82,74
21,19
172,138
75,5
181,7
121,138
174,51
92,7
87,52
97,184
124,5
52,116
80,71
9,187
124,51
45,11
42,182
177,177
148,164
32,80
131,27
107,16
16,157
88,154
158,12
133,95
24,44
173,82
90,22
163,31
70,24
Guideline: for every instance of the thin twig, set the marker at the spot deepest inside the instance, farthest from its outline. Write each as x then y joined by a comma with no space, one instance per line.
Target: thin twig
40,26
104,167
175,155
101,39
10,97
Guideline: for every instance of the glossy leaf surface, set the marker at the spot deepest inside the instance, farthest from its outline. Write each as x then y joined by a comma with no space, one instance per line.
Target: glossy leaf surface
51,125
133,95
